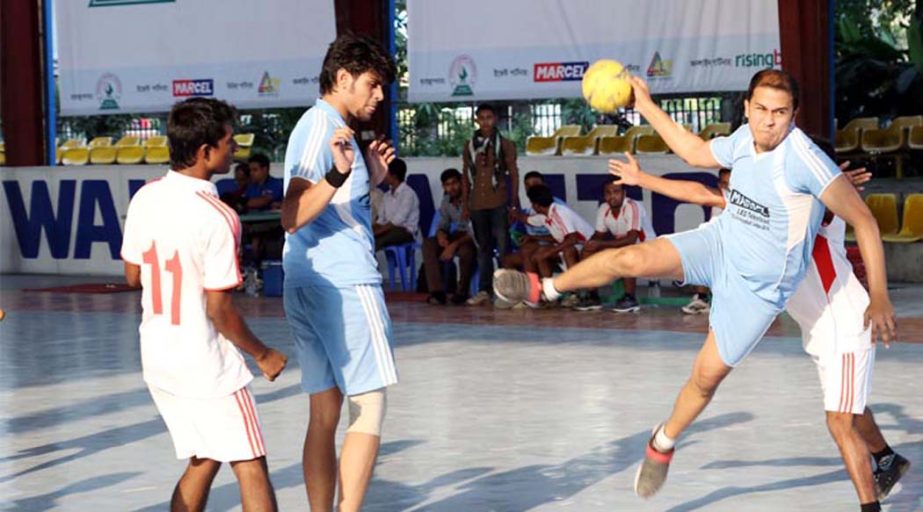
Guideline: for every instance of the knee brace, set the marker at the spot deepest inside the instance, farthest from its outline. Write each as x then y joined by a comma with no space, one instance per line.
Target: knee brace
367,412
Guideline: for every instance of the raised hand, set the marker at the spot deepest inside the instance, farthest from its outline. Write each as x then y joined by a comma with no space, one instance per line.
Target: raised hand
628,173
379,155
640,92
858,177
341,143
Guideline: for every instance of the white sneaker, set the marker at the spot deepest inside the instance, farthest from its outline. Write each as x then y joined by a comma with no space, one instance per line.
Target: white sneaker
696,307
478,299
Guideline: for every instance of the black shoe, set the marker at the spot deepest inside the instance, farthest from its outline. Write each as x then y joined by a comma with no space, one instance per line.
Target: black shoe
436,299
459,299
589,304
627,304
889,472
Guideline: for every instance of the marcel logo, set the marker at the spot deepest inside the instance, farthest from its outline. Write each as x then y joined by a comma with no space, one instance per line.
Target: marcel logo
559,71
201,87
738,199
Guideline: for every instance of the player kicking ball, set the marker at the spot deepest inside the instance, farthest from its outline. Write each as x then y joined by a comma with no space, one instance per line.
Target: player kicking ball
752,257
180,245
828,307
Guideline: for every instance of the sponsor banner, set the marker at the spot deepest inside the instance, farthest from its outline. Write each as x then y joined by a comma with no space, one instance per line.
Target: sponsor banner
541,48
252,53
69,220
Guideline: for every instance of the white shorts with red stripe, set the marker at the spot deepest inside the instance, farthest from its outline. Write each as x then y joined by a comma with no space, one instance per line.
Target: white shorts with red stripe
846,379
224,429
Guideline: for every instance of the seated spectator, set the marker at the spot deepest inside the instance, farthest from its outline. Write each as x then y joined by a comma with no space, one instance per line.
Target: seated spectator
399,218
526,237
453,238
620,221
265,191
567,228
232,190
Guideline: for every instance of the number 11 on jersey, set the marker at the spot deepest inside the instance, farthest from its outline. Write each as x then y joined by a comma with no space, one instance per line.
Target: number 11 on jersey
175,268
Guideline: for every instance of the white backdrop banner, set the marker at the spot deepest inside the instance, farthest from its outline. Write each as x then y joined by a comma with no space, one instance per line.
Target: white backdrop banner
118,56
512,49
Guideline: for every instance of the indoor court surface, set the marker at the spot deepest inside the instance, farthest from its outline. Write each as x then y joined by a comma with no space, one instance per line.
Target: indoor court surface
496,411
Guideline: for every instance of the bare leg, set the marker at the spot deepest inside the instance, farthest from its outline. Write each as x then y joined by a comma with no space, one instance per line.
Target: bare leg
319,458
357,461
543,264
870,432
571,257
855,454
656,258
191,492
256,492
707,373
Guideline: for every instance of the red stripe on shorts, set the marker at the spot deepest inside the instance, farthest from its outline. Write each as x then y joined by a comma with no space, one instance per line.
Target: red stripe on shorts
258,433
243,413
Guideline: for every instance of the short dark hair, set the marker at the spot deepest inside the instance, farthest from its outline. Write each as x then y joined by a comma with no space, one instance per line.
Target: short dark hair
356,54
533,174
195,122
485,106
243,167
776,79
449,174
260,159
398,169
540,195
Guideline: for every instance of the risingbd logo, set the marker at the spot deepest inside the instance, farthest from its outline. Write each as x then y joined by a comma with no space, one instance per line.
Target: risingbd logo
108,91
463,74
659,68
269,86
112,3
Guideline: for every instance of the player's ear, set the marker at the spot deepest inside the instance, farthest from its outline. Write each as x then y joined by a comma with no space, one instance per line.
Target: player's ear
746,109
204,153
343,79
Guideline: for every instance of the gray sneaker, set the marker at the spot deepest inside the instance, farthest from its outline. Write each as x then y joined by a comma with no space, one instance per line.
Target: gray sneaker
477,300
514,286
653,471
891,469
627,304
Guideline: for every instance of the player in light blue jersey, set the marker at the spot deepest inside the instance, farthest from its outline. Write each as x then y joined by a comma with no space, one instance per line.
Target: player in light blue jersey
333,298
753,256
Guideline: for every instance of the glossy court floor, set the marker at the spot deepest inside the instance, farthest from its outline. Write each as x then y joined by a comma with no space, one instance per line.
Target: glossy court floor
496,411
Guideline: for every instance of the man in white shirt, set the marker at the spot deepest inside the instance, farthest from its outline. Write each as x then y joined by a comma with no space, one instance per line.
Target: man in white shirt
399,219
180,245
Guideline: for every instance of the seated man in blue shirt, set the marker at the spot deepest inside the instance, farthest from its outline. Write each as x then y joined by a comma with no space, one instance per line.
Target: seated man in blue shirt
264,192
453,238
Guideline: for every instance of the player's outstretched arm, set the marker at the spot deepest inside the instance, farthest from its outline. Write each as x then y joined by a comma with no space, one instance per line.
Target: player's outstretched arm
227,320
843,200
689,146
304,200
629,173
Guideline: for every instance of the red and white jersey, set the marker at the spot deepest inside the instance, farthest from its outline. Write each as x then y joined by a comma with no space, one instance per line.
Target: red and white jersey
186,242
562,221
630,217
829,304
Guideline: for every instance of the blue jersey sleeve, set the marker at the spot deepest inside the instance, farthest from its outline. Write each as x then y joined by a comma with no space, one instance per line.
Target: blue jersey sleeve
807,168
312,158
724,148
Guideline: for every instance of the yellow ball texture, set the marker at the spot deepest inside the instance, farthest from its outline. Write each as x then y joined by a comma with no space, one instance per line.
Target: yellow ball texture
605,85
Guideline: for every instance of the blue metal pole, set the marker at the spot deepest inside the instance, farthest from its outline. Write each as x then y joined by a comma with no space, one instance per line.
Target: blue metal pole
51,117
392,49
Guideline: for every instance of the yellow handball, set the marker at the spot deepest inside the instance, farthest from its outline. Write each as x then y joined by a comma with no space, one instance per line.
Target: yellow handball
605,85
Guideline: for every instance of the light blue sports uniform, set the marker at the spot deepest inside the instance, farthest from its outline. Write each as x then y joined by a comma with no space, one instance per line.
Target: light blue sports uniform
333,298
754,255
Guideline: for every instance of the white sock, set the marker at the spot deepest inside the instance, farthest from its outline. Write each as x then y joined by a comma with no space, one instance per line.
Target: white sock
662,443
548,290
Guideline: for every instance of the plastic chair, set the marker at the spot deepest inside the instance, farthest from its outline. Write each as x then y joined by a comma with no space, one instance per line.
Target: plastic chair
156,141
103,155
915,139
72,143
100,142
884,208
715,130
587,144
157,155
912,226
849,139
402,258
76,156
537,146
244,145
651,144
2,157
129,155
128,140
624,142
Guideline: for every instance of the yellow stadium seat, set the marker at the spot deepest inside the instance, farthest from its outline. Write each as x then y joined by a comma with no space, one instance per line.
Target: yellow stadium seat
72,143
891,138
651,144
536,146
76,156
884,208
244,139
912,226
59,155
242,153
915,139
2,147
157,155
156,141
129,155
626,142
128,140
849,139
102,155
715,130
100,142
587,144
2,158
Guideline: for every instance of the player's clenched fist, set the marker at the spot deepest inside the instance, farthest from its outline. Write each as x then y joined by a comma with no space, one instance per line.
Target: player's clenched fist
271,363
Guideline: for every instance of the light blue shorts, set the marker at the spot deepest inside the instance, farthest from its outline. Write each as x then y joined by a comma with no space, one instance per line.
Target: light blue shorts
738,316
343,337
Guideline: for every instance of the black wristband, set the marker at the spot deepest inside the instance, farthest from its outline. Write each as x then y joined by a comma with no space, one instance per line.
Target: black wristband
335,178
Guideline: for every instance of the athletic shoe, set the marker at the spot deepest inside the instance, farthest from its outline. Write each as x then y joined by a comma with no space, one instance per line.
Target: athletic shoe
589,304
515,286
570,300
891,469
697,306
502,304
627,304
653,471
478,299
